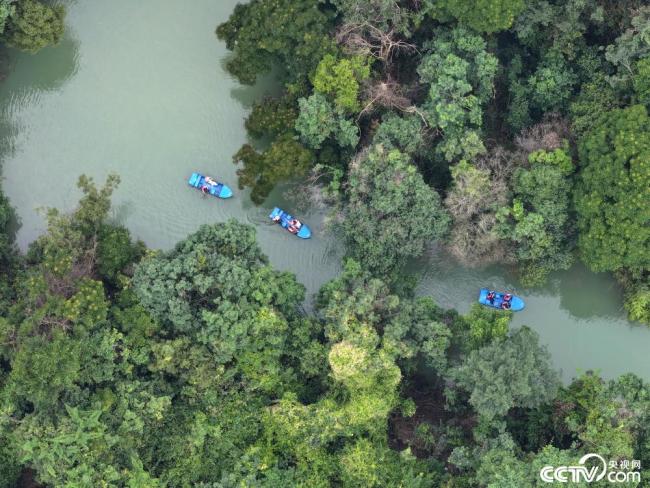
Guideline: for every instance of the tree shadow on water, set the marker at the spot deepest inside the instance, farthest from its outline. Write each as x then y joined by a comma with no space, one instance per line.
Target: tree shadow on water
586,295
267,85
47,70
23,78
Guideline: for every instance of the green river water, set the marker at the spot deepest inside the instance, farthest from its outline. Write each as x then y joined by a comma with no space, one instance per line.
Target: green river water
138,88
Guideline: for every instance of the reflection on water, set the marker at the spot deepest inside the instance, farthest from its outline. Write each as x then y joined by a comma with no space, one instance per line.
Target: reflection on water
154,104
606,296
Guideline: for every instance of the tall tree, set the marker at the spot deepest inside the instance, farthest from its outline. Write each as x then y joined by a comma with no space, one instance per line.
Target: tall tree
613,191
511,372
285,33
34,25
390,214
460,74
484,15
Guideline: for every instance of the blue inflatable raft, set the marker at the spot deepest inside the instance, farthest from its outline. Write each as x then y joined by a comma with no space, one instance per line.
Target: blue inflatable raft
516,303
284,219
219,190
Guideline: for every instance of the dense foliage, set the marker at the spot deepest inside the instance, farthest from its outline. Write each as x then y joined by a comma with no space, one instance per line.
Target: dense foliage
390,214
614,190
513,111
198,366
508,131
31,25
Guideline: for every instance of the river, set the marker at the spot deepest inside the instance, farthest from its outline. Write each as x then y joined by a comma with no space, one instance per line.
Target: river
139,88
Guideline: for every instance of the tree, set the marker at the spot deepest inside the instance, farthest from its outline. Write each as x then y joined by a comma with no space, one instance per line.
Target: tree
596,98
264,33
486,325
460,75
6,10
404,133
613,190
34,25
506,373
484,15
285,158
116,251
538,222
641,82
631,46
340,79
318,121
381,14
637,301
173,285
551,85
596,420
558,27
390,213
476,193
375,28
411,329
8,251
272,117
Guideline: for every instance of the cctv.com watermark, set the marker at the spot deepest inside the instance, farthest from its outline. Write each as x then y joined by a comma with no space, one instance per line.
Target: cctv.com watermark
593,467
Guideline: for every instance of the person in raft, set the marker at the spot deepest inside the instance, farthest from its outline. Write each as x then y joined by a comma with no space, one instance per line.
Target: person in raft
505,305
294,226
205,189
490,296
210,181
507,297
276,219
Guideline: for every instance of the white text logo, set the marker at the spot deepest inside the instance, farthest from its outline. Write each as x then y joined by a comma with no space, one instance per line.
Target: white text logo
623,472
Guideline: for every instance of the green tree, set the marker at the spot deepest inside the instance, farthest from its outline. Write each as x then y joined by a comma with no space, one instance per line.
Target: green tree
272,116
558,26
631,46
551,85
290,34
484,15
116,251
641,82
460,74
637,301
404,133
6,10
34,25
284,159
8,251
413,330
340,79
596,420
10,467
613,190
486,325
596,97
538,222
390,213
506,373
318,121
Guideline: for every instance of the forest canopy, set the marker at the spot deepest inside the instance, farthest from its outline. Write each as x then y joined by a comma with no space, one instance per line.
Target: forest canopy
500,131
525,118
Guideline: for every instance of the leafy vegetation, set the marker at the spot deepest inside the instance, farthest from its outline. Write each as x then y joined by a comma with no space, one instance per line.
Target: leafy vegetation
509,131
198,365
390,213
31,25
